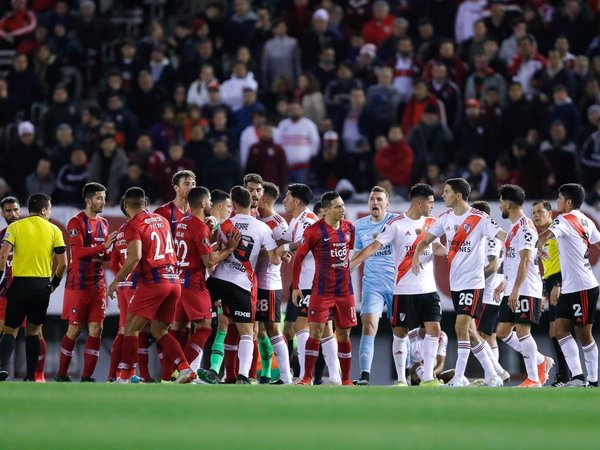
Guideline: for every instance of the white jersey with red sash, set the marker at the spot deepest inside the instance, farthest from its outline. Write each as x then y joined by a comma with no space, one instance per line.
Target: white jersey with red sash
295,233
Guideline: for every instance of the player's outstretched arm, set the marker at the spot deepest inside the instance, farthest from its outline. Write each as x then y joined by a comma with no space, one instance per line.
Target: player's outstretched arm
60,259
492,266
543,238
416,261
212,259
274,258
134,254
364,254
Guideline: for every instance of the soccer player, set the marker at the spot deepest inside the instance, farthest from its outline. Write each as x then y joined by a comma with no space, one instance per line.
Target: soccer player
330,240
552,279
576,305
488,320
85,290
270,292
416,337
466,229
522,286
415,298
195,256
378,277
149,244
233,279
11,212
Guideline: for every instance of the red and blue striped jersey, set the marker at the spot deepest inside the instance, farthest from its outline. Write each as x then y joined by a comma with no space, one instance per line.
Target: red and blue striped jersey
331,249
192,239
118,257
172,213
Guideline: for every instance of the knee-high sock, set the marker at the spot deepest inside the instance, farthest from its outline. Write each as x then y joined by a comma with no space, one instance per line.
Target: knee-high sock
399,351
484,360
310,357
231,352
195,346
497,366
266,356
301,339
319,366
562,369
464,349
39,369
172,352
166,367
7,346
218,351
280,348
129,355
496,353
90,356
255,357
365,353
115,356
513,342
571,352
32,352
590,355
345,357
529,351
143,356
245,350
66,354
331,355
430,347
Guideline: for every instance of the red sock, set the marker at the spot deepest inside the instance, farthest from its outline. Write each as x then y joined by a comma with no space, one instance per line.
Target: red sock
129,354
166,368
90,356
39,369
179,336
66,353
345,357
311,353
186,337
255,357
115,356
143,356
173,353
231,346
196,343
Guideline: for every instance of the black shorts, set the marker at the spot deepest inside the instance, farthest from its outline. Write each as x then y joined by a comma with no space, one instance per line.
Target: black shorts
529,310
268,305
28,297
236,302
488,319
411,311
468,302
580,307
551,312
292,312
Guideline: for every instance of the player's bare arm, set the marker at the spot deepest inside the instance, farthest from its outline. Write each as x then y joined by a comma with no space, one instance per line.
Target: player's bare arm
4,252
499,291
439,249
134,254
214,258
274,258
492,266
543,238
60,259
110,240
364,254
416,261
525,259
501,235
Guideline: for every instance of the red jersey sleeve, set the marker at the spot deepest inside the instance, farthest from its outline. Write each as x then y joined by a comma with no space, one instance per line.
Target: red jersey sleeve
308,242
352,236
76,241
202,240
131,233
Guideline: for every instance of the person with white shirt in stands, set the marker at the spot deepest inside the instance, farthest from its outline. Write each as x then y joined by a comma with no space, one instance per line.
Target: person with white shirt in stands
468,13
232,90
251,135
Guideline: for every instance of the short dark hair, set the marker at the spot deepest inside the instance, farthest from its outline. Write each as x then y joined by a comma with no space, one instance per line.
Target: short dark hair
8,200
135,196
460,186
420,190
253,178
317,207
271,190
301,192
328,197
178,176
91,188
241,196
574,192
482,205
218,196
37,202
381,190
197,195
513,193
545,203
122,205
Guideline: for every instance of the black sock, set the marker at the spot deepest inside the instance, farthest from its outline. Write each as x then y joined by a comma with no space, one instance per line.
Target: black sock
562,369
7,345
32,351
319,365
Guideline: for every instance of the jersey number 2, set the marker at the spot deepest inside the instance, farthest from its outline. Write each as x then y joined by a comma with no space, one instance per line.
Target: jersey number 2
154,236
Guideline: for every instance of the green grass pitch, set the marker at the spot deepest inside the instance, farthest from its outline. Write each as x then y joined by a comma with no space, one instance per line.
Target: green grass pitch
61,416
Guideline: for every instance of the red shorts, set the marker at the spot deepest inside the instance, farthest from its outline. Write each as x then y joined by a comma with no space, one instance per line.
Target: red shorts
344,312
84,306
3,301
124,297
155,301
193,305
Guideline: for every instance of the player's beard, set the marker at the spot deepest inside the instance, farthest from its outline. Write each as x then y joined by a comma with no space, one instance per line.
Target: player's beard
505,214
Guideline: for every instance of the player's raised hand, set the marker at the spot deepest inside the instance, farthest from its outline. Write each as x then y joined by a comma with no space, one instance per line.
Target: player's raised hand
287,257
233,240
110,240
296,296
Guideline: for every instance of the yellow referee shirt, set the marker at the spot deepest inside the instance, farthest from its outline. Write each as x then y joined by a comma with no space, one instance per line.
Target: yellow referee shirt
552,264
34,240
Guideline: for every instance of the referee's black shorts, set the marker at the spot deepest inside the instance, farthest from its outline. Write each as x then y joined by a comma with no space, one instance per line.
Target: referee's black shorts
28,297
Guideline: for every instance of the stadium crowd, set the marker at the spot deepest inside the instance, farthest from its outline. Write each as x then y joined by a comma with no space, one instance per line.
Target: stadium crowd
386,92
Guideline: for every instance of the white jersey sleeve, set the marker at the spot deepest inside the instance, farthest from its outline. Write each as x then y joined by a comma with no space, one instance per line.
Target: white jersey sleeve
493,249
523,236
296,232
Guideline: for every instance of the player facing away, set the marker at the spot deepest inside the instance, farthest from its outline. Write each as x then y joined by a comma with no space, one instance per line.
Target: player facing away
232,281
576,305
11,212
466,230
330,240
415,301
521,304
378,277
552,279
85,291
149,246
488,320
270,292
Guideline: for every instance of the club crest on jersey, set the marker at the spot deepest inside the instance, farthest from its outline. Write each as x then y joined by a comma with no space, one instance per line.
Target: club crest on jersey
205,241
348,236
466,227
374,235
401,317
456,227
418,231
73,233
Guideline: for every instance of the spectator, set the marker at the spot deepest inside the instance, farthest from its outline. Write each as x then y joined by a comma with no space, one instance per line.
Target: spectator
468,13
366,65
561,154
185,41
47,67
8,104
125,122
300,140
533,171
93,30
325,71
193,119
434,178
337,94
16,27
591,124
395,161
198,150
308,94
505,173
72,178
268,159
316,39
149,159
197,93
107,167
280,57
250,135
577,24
473,137
136,177
61,152
593,196
241,27
590,159
41,180
61,111
146,100
114,85
405,69
510,45
220,130
354,126
65,45
215,103
155,36
498,22
222,171
379,28
591,95
474,45
519,116
24,84
479,178
243,116
553,75
329,165
525,64
563,109
484,78
232,89
457,70
174,163
262,31
427,43
490,50
387,49
422,98
447,92
381,108
562,46
161,70
87,130
165,132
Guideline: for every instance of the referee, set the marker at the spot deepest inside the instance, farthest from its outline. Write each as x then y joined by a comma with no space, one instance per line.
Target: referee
35,242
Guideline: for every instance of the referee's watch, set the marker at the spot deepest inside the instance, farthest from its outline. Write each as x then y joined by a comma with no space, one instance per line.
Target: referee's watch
55,281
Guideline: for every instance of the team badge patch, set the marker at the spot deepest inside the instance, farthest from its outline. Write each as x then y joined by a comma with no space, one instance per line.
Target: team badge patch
348,236
401,317
467,227
73,233
418,231
205,241
456,227
375,235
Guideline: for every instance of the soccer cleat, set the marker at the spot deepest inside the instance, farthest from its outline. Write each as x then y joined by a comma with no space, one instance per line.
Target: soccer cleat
148,380
494,381
264,380
592,384
455,382
163,381
431,383
399,383
252,381
29,380
62,379
241,379
135,379
330,382
3,374
317,381
175,375
361,382
544,369
504,376
88,380
120,380
185,376
39,377
559,383
478,382
278,381
576,382
208,376
306,381
528,383
347,383
111,380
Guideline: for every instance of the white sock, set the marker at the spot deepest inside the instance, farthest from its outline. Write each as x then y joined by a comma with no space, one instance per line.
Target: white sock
539,358
529,351
430,346
245,351
496,353
571,352
464,348
195,364
497,366
301,338
513,341
330,354
483,358
280,349
590,355
399,354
